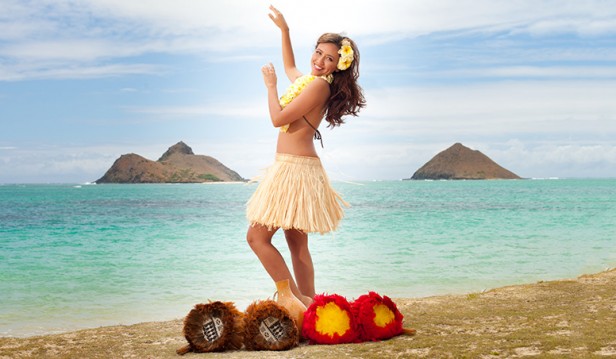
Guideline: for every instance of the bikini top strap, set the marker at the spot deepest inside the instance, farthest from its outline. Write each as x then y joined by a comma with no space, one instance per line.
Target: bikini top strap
317,134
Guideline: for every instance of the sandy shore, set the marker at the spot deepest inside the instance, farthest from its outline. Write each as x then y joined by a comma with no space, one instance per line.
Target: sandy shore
565,318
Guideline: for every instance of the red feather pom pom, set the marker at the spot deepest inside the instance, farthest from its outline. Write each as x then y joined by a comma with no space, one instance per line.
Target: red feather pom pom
377,317
329,320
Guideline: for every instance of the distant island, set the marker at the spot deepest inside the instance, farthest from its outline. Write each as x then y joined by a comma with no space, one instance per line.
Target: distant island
461,163
178,165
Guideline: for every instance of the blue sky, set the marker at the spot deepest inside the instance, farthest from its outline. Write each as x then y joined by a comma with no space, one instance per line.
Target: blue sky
531,84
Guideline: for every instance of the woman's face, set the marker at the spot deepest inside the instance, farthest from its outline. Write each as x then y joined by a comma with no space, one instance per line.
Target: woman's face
324,60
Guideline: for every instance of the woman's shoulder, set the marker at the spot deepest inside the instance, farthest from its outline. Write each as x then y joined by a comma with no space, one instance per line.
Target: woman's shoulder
319,82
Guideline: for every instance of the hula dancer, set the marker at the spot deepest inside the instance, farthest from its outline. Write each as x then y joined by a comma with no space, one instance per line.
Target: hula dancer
295,194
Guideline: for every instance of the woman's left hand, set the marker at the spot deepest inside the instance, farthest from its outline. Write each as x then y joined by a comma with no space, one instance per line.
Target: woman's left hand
269,75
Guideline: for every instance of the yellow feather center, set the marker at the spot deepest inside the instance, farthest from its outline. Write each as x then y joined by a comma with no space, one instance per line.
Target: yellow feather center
382,315
332,320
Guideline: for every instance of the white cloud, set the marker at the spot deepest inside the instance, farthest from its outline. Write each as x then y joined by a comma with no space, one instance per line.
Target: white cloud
19,72
582,24
171,26
534,72
494,108
249,109
545,159
52,165
53,50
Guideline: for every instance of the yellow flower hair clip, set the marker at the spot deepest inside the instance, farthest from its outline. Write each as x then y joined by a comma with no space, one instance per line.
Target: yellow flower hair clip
346,55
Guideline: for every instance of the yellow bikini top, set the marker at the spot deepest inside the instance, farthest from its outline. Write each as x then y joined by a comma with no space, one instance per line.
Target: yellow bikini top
296,88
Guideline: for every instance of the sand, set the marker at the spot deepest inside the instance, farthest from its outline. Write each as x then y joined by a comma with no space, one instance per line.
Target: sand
565,318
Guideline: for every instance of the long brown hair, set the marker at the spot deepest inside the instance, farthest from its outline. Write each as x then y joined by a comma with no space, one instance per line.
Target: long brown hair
346,96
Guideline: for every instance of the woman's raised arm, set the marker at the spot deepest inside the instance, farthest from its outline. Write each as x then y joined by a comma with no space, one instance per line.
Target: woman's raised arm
288,58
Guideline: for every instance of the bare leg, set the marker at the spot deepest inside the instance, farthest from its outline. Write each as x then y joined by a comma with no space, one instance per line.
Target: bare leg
260,240
302,263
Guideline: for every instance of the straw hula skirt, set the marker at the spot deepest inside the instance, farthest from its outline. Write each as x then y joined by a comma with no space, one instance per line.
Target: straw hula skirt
295,193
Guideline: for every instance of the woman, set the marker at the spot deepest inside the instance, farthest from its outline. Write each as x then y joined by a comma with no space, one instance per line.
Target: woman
295,193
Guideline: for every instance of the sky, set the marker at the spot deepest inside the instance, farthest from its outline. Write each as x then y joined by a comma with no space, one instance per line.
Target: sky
531,84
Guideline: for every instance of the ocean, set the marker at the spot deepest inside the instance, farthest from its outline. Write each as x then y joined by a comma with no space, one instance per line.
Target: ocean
82,256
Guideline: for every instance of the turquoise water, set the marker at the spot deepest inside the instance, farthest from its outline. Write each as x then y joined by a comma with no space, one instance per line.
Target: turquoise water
79,256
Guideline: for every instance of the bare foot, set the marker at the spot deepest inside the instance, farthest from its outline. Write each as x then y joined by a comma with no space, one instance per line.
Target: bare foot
306,300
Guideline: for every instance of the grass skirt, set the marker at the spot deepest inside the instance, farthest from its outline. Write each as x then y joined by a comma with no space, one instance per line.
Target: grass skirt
295,193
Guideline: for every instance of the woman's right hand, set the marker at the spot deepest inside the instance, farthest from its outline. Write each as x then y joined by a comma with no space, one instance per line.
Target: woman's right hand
278,19
269,75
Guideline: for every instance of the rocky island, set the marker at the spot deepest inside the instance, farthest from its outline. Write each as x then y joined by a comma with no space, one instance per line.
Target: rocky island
459,162
178,165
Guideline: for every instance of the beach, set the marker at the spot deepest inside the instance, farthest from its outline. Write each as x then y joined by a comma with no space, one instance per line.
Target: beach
561,318
132,260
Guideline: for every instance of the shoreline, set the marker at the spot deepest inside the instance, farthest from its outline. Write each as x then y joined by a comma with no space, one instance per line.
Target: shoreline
567,317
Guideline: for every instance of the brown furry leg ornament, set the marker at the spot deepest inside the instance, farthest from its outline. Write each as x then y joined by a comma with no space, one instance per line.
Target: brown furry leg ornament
213,327
269,326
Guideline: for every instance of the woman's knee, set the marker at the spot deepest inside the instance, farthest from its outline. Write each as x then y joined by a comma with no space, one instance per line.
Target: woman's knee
252,238
257,236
